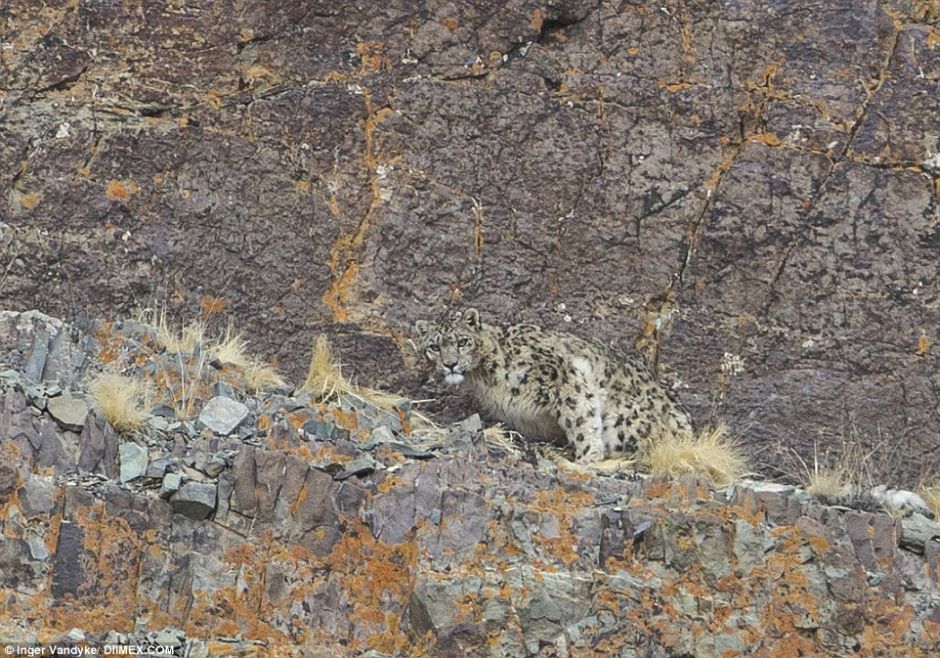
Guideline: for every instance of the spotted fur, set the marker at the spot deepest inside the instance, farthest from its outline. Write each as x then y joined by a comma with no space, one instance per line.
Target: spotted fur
554,386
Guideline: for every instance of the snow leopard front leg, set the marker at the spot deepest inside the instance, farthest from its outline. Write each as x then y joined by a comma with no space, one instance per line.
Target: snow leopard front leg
581,411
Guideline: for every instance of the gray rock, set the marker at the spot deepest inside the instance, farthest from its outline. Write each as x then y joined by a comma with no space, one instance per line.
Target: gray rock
359,466
221,389
98,448
68,568
158,424
171,484
223,414
381,434
195,500
37,357
320,429
10,376
157,468
69,410
37,496
36,394
163,411
215,466
134,460
917,530
471,424
9,477
432,603
168,637
37,547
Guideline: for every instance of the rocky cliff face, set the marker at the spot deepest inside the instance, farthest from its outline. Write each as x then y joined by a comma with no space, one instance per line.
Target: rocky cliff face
746,190
277,524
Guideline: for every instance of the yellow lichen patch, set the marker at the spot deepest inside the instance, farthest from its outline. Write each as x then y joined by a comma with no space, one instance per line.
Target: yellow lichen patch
121,190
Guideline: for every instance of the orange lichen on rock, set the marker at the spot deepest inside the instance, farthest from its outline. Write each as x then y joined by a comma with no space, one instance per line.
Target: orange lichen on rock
109,341
564,505
376,580
121,190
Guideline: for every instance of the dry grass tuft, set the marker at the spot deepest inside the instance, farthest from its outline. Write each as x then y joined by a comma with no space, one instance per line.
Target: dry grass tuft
121,400
709,453
500,435
833,477
324,375
929,490
185,341
231,349
326,380
260,377
827,482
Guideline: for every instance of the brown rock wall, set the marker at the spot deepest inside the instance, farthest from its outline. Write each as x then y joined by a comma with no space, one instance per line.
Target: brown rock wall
694,179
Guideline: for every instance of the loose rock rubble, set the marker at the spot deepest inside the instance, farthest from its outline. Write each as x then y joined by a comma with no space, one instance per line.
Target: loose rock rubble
280,523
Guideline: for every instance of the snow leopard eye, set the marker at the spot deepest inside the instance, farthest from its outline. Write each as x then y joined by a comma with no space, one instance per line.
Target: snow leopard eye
463,342
433,347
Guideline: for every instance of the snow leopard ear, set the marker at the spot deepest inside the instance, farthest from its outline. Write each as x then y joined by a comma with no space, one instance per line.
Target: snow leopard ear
471,318
422,328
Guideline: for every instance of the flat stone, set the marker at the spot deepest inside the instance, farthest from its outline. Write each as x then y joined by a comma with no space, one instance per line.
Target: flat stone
69,411
195,500
158,423
320,429
359,466
222,414
134,459
382,434
157,468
